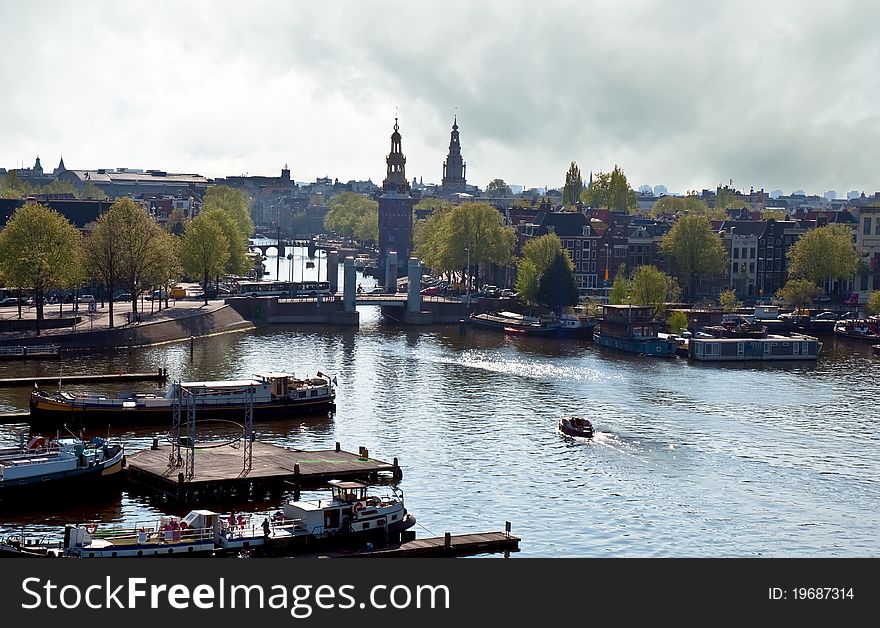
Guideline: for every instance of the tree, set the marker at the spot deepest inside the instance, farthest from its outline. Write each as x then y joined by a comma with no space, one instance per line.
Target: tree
204,250
824,253
729,302
798,292
354,216
432,204
58,187
611,191
619,293
695,250
40,250
652,287
539,253
725,198
873,305
12,186
471,232
176,224
690,205
138,238
571,193
677,322
237,261
92,192
527,281
556,285
234,202
774,214
497,187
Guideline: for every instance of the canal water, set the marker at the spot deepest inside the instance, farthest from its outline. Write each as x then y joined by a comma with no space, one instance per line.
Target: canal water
688,459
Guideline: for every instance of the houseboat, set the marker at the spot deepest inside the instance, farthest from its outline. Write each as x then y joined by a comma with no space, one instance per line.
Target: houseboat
42,469
769,348
350,517
577,324
863,330
632,328
269,394
516,323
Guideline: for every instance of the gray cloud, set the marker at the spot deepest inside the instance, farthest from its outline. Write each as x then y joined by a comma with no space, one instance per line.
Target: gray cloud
684,93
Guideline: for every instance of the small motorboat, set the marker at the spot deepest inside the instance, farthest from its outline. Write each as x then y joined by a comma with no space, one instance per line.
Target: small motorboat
576,426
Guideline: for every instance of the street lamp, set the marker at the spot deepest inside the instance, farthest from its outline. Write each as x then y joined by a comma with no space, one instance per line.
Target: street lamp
467,279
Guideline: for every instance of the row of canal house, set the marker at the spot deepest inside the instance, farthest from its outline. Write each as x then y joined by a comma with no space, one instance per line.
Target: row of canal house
601,243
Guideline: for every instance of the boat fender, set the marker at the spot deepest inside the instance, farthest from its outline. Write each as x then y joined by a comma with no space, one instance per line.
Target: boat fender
91,528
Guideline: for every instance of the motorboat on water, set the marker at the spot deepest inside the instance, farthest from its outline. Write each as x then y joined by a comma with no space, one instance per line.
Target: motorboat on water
576,426
516,323
41,468
351,516
268,394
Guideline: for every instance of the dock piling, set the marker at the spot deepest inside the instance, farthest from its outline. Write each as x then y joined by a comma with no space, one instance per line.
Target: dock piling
447,541
337,446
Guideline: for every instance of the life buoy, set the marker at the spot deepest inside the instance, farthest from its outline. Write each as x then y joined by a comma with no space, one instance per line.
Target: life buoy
183,525
91,528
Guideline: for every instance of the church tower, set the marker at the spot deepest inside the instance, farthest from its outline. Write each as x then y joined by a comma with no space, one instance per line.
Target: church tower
395,209
454,167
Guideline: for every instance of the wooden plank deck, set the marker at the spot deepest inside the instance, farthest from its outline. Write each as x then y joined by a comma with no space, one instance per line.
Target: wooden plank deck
272,465
459,545
159,376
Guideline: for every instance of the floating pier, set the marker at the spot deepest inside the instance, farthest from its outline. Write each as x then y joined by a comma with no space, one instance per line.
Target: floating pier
219,472
449,545
159,376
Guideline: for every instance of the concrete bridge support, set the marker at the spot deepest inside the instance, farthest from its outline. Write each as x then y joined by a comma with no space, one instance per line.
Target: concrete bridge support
349,315
413,314
391,272
333,271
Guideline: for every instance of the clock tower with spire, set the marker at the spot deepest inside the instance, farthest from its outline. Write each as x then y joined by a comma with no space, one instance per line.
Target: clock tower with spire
395,209
454,167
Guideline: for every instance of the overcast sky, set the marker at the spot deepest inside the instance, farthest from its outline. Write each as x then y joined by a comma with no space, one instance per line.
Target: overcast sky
688,94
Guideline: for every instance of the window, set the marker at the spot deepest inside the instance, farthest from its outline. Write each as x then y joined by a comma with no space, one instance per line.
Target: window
867,226
753,251
751,267
735,254
735,267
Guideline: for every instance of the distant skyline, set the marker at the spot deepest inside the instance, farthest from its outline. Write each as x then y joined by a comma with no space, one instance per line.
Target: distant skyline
683,94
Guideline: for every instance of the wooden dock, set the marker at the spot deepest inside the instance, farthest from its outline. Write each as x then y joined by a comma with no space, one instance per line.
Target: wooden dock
219,471
448,546
159,376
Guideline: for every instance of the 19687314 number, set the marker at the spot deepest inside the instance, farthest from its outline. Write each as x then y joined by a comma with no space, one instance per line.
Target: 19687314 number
812,593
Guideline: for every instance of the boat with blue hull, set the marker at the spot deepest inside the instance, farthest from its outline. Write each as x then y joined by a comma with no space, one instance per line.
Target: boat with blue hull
632,328
48,469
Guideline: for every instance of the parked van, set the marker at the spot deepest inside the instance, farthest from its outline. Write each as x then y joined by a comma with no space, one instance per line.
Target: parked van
178,292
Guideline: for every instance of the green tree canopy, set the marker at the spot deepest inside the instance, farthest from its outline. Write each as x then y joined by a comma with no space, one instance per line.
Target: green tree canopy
726,198
677,322
774,213
824,253
571,193
139,248
234,202
432,204
728,301
611,191
40,250
11,186
444,240
680,205
497,187
652,287
556,285
92,192
527,281
58,187
694,250
873,305
354,216
204,250
237,261
798,292
619,293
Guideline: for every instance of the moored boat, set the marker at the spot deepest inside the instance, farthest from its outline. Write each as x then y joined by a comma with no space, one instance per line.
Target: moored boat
350,517
863,330
269,394
632,328
516,323
576,426
44,468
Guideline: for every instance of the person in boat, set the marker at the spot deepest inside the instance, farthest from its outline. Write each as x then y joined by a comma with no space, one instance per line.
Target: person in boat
266,528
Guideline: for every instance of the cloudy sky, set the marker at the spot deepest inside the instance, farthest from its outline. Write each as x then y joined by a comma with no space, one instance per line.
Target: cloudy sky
689,94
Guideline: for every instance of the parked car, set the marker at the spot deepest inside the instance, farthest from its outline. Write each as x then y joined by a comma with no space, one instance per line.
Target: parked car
87,298
122,296
822,298
826,316
376,290
11,301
